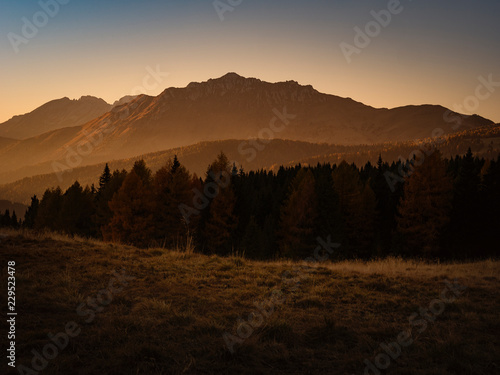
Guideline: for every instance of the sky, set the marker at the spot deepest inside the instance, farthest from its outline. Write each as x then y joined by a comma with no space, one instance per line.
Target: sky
382,53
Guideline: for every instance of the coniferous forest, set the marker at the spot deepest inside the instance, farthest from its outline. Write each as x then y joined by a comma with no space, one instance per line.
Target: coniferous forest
427,208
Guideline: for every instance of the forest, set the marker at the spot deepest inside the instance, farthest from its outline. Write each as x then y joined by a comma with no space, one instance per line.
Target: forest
431,207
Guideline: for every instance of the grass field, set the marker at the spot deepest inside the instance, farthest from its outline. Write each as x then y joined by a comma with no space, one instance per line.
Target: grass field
114,309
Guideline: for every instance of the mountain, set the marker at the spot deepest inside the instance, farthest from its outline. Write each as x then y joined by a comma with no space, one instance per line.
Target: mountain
124,100
56,114
6,142
230,107
237,107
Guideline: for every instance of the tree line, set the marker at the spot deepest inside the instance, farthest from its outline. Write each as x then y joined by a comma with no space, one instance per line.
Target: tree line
9,221
443,208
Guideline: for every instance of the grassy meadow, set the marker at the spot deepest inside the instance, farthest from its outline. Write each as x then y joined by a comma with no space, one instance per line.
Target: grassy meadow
158,311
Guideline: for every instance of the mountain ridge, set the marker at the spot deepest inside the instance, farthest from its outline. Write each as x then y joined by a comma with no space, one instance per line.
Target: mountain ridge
228,107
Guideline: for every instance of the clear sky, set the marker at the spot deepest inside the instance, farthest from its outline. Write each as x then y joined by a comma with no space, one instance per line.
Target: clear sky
430,52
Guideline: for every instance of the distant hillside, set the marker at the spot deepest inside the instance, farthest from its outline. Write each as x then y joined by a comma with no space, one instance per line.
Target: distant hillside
11,206
230,107
56,114
484,141
5,142
196,158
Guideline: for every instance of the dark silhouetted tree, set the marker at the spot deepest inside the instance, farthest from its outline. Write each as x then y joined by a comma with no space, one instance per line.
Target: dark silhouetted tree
105,177
31,213
298,217
357,205
49,210
132,207
425,208
103,214
172,187
77,210
219,219
6,219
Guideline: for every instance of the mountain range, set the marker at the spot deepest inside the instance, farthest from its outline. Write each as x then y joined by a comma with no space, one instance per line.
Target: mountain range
65,134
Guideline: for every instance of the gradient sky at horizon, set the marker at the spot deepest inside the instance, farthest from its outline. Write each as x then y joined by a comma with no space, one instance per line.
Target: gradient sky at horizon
430,53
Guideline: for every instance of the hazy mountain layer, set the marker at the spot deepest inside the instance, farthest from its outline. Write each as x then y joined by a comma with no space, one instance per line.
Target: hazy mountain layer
230,107
484,141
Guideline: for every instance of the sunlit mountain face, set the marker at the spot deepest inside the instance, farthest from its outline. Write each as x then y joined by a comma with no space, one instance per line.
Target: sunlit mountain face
229,107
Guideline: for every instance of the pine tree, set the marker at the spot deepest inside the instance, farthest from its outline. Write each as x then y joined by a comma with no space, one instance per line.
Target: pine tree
298,217
385,211
76,210
143,172
467,211
490,206
49,209
105,177
5,220
425,208
14,223
219,219
103,214
329,221
172,187
31,213
132,207
175,165
349,189
366,211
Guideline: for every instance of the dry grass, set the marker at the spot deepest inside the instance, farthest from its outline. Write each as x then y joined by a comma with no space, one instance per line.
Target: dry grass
170,319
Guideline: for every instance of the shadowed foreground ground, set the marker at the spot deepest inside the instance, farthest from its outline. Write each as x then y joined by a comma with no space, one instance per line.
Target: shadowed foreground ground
166,313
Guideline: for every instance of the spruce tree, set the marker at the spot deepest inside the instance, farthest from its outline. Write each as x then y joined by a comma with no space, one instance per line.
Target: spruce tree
31,213
105,177
425,208
172,187
103,214
5,220
49,210
467,211
132,207
219,222
299,217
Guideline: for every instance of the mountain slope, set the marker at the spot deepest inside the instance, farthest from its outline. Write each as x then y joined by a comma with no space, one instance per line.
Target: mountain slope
237,107
230,107
56,114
